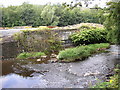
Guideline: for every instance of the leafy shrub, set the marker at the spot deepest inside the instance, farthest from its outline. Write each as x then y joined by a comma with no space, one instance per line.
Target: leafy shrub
27,55
89,36
80,52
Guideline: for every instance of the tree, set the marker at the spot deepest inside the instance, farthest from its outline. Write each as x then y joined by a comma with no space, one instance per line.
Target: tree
10,16
38,21
37,15
0,15
27,14
112,22
48,16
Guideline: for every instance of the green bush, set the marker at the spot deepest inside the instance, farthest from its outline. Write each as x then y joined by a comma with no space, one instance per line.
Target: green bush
81,52
27,55
89,36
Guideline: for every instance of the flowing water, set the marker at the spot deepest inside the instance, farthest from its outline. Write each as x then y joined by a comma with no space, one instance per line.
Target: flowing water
80,74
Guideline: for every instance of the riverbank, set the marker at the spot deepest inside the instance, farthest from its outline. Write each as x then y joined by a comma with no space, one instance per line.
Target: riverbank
81,74
81,52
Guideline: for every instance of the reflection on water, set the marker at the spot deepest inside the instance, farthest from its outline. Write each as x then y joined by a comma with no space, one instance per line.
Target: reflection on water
15,66
14,75
14,80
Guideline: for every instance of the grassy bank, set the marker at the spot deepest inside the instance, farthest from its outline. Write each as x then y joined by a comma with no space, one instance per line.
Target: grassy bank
27,55
81,52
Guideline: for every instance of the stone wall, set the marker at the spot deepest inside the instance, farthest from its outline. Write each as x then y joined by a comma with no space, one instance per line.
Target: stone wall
10,49
64,36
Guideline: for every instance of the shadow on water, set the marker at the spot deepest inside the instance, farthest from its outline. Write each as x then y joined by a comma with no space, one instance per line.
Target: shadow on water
15,66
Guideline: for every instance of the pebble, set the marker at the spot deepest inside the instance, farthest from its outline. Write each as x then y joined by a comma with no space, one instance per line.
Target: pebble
43,56
53,55
91,73
38,59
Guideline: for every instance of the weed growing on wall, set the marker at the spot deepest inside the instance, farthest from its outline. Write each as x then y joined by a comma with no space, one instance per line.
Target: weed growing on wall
38,40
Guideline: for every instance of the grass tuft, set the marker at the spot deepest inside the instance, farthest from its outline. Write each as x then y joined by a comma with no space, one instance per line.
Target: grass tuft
27,55
81,52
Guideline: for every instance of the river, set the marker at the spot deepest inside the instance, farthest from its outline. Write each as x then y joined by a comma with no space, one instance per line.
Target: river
80,74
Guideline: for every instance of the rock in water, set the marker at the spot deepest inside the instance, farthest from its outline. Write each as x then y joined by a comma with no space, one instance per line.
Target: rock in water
38,60
43,56
53,56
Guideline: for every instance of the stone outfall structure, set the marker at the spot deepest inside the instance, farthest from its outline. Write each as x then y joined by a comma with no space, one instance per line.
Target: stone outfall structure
9,45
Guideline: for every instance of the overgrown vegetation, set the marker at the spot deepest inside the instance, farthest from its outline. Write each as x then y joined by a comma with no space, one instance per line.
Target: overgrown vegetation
112,83
38,40
62,15
89,35
27,55
112,22
47,15
81,52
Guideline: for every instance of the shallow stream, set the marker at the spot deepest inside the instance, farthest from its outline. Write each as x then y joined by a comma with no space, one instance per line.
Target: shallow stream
80,74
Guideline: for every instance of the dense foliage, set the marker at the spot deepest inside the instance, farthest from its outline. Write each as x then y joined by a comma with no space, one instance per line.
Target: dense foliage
112,22
50,15
81,52
89,36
